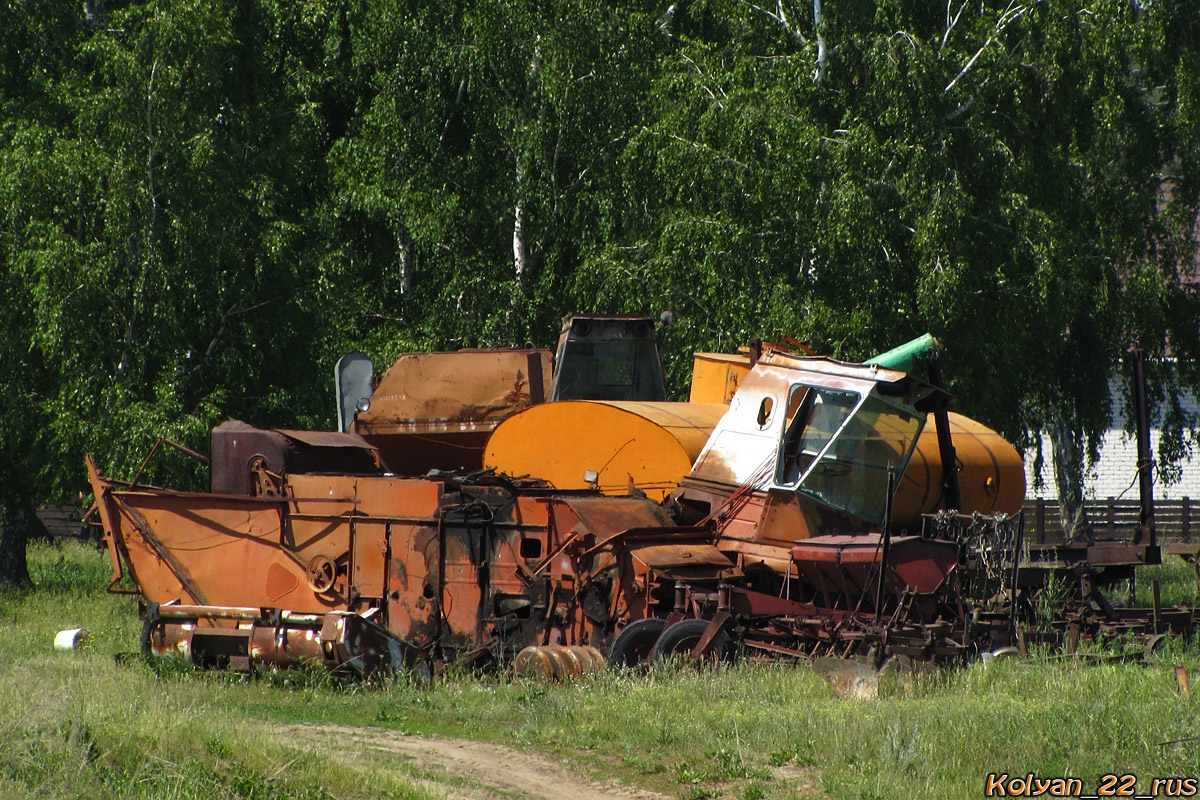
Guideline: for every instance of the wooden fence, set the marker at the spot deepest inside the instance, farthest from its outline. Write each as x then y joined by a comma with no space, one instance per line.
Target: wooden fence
62,522
1113,519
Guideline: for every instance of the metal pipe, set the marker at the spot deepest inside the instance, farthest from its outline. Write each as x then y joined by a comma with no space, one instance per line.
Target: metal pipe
887,542
142,467
187,451
1145,460
951,497
245,613
1012,597
903,357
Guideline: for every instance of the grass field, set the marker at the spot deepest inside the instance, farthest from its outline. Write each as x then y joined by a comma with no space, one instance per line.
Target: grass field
80,725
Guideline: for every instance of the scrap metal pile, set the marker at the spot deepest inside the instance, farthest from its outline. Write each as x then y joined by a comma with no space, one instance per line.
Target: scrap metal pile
538,509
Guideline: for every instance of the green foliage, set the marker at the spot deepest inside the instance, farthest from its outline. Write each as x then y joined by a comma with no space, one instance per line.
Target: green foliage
203,206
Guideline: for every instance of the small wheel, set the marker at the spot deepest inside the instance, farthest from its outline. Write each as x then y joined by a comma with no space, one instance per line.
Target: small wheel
682,637
1153,644
533,662
635,642
1005,653
321,573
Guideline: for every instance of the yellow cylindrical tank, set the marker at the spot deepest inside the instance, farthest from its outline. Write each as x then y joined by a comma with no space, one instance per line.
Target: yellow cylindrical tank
991,476
607,445
578,444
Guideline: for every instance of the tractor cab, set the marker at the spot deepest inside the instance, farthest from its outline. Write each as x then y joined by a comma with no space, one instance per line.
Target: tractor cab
838,445
805,450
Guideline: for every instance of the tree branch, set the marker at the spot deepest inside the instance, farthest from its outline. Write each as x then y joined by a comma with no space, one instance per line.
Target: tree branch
1011,14
458,99
951,22
667,20
711,94
707,149
779,15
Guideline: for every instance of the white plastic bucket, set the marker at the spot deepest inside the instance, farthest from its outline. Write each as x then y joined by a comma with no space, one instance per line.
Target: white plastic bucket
73,639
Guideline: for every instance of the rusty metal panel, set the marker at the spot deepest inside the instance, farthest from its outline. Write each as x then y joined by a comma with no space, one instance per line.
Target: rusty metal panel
849,564
742,520
461,595
833,369
460,391
211,550
323,495
604,515
436,410
785,519
327,439
368,557
412,610
237,449
668,556
529,510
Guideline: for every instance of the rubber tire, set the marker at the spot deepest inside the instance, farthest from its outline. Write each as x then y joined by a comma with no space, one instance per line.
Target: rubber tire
635,642
680,638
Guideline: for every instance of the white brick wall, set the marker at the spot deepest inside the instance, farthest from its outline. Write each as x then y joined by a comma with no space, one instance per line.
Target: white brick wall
1115,474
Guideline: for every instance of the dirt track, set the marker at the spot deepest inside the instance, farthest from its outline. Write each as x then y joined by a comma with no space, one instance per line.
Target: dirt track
463,769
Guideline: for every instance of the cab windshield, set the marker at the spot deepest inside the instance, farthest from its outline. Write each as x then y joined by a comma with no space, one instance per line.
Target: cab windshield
837,447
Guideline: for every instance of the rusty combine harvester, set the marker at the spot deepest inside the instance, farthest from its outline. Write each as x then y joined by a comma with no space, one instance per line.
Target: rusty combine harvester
551,510
309,548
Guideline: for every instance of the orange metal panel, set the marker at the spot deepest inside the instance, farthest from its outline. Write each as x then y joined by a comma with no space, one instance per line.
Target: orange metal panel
785,519
411,607
667,556
531,510
605,515
436,410
396,497
211,550
716,376
326,495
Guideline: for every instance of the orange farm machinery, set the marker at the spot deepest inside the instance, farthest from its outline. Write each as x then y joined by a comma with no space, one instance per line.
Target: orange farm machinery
553,512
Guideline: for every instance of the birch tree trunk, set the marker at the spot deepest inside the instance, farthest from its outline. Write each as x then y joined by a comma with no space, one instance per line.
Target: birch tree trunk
519,246
822,47
404,259
1067,450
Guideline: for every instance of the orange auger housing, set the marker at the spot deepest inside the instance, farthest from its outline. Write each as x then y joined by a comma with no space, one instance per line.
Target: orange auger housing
427,569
